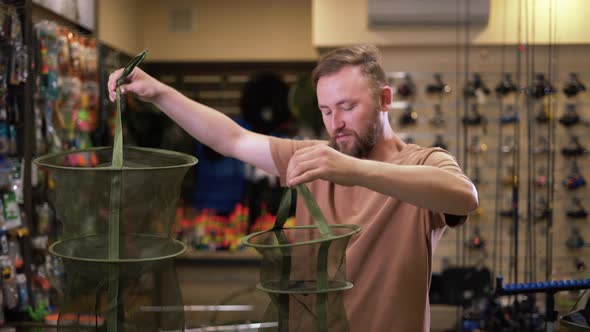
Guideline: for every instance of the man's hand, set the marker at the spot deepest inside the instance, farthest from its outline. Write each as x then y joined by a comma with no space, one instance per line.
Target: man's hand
142,85
321,162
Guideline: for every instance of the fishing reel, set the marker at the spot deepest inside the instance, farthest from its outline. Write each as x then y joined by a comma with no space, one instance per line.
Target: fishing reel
439,142
573,86
579,264
575,241
577,211
574,180
510,115
438,87
508,145
476,146
541,87
570,117
541,179
476,88
506,86
476,242
438,119
407,88
474,118
575,149
409,117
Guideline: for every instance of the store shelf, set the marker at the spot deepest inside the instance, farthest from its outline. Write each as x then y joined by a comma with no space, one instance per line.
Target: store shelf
247,256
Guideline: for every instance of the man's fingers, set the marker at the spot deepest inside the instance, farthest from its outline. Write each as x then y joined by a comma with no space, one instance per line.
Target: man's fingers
112,84
304,178
301,168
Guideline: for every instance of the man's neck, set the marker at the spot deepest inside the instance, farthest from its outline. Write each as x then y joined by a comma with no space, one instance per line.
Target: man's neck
387,144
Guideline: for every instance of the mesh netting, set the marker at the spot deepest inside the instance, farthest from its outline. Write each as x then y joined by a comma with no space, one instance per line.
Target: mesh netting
149,191
303,270
117,207
140,274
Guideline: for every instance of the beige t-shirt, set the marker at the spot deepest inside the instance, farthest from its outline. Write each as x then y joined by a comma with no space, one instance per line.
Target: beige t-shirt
390,260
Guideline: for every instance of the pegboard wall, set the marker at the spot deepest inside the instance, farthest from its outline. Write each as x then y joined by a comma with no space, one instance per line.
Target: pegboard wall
499,139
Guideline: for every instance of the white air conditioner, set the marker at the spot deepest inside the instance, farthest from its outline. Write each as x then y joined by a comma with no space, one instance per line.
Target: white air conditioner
384,13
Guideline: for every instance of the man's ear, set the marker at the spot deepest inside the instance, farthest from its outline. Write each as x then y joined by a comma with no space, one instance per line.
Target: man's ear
385,97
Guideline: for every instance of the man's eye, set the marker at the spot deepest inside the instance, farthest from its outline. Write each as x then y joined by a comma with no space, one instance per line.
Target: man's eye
348,107
326,113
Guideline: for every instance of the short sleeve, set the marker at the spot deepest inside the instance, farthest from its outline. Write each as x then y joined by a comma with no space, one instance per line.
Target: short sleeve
283,149
443,159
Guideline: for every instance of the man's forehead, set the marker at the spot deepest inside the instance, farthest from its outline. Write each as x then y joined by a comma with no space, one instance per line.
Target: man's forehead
341,84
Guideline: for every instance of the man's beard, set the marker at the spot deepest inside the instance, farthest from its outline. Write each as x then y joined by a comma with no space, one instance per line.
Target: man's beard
360,146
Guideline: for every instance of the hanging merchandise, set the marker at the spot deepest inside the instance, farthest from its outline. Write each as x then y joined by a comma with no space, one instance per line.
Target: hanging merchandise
476,88
18,68
476,242
573,86
575,240
510,115
48,47
542,116
439,87
406,89
68,86
438,119
570,117
579,264
541,177
474,118
9,287
11,211
574,180
541,87
506,86
574,149
508,145
408,116
476,146
576,211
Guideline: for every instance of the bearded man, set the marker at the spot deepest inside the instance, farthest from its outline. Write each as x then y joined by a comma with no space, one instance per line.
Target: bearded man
403,195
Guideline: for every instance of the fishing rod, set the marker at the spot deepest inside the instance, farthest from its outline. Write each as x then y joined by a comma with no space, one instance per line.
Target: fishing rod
551,142
498,236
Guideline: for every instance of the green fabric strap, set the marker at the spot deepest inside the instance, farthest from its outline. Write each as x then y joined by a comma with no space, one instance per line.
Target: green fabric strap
314,210
283,212
115,203
310,203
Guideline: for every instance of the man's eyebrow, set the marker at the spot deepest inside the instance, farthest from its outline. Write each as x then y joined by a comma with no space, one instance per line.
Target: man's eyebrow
339,103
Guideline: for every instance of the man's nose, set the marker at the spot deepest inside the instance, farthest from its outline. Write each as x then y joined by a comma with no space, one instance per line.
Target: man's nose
337,121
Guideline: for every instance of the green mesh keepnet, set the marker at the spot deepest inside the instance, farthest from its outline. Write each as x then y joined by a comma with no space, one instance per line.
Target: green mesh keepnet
117,206
303,270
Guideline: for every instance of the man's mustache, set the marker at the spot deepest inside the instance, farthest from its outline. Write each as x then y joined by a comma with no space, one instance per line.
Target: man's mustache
344,132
